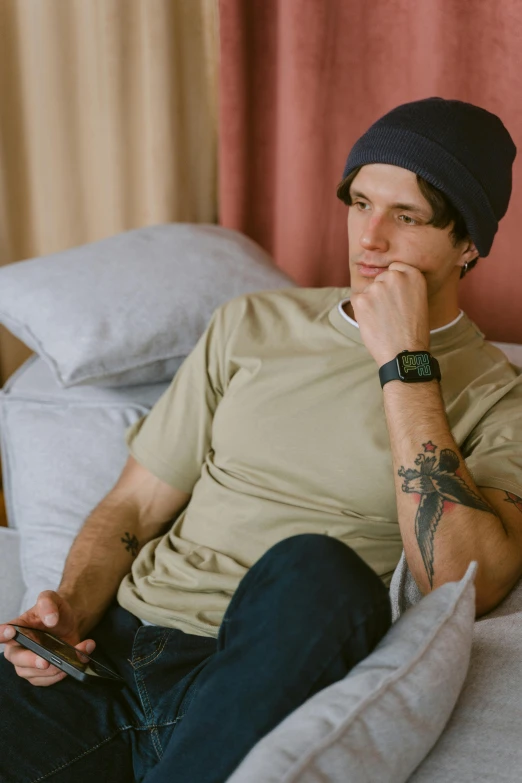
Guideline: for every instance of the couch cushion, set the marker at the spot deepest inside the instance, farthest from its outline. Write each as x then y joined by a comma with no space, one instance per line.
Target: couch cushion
122,311
513,352
403,589
379,722
481,742
11,583
62,451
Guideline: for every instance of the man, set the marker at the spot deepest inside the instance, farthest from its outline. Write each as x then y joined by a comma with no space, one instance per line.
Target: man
299,448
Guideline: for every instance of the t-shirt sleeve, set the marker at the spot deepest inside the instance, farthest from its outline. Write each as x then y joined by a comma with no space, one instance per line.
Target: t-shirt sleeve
173,439
493,450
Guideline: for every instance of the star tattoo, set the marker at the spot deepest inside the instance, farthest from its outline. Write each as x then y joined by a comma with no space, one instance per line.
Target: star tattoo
131,544
511,498
429,446
436,482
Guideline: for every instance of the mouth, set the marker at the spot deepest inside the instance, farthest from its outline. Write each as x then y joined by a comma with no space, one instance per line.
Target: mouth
368,270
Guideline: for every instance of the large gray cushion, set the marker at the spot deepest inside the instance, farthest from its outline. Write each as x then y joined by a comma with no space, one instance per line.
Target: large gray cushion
481,743
126,309
62,451
11,583
378,723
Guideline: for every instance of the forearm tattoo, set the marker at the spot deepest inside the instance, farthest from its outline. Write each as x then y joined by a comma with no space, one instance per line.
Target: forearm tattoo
131,544
511,498
436,481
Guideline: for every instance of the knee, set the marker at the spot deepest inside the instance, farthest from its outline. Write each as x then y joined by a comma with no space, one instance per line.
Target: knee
307,547
316,559
311,581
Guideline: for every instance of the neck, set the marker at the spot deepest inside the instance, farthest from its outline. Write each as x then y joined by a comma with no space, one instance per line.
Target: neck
444,309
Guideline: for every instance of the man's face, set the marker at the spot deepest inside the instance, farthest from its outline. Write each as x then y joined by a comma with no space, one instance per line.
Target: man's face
379,232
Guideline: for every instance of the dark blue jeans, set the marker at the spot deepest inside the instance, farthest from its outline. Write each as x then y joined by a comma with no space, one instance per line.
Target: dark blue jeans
193,706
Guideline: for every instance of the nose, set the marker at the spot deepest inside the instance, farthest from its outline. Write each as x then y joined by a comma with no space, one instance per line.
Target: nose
373,234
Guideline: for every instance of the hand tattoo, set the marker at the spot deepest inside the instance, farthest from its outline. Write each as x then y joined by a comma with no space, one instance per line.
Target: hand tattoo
131,544
435,483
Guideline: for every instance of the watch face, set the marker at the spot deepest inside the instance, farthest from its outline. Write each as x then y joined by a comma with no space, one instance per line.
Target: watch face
415,366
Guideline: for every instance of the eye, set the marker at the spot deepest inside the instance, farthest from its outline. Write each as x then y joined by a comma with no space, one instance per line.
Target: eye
408,221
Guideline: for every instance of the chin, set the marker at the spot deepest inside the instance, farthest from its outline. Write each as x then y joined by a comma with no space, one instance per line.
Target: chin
359,284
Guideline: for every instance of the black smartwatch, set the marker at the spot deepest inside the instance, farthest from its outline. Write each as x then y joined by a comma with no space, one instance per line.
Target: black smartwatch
410,367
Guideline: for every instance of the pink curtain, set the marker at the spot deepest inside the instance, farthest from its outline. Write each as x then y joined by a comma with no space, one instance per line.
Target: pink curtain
301,80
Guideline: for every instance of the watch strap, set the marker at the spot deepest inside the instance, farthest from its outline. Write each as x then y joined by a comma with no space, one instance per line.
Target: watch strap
389,372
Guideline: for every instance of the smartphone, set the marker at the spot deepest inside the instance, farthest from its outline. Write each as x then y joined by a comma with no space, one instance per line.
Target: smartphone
66,657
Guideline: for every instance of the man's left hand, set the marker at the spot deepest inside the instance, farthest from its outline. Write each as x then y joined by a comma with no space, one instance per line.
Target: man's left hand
392,312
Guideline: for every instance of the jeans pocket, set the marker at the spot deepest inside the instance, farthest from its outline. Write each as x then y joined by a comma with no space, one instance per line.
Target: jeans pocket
148,645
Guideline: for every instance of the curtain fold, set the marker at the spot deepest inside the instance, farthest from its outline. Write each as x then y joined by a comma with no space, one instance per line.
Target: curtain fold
108,122
301,80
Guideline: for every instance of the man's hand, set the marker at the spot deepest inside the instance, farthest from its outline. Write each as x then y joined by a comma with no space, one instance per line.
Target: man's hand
392,313
51,613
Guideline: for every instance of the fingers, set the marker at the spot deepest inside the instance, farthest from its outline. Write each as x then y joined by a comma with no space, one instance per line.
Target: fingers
21,658
53,613
6,632
40,681
400,266
37,670
86,646
31,667
45,613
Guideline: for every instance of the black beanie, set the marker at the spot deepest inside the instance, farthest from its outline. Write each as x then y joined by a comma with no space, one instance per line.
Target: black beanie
461,149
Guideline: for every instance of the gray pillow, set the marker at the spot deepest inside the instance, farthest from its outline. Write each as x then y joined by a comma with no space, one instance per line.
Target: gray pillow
379,722
404,592
62,451
11,584
126,309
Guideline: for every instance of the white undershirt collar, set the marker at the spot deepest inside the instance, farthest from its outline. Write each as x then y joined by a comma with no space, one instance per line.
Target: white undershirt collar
432,331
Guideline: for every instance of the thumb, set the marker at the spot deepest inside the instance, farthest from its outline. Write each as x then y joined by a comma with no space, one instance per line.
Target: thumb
49,606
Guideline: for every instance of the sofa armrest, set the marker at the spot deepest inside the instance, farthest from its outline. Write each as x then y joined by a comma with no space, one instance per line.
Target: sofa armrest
11,583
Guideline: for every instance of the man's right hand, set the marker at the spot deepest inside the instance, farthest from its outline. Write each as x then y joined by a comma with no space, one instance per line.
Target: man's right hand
51,613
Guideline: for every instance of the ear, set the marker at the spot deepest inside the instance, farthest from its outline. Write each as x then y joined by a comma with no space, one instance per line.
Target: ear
469,253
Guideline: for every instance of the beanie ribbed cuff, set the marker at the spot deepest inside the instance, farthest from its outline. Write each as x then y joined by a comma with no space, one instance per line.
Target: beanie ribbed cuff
408,150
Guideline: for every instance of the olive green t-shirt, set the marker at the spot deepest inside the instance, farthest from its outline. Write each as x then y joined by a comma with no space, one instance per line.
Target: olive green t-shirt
275,425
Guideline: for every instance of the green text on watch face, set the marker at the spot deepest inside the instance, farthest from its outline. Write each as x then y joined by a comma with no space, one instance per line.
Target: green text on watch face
418,363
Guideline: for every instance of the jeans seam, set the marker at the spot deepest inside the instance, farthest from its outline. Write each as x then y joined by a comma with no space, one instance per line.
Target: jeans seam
138,662
85,753
149,713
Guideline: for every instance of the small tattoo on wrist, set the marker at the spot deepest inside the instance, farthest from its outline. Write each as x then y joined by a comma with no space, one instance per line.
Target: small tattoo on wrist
131,544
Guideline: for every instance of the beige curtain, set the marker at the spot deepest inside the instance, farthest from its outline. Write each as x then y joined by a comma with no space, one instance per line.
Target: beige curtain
108,121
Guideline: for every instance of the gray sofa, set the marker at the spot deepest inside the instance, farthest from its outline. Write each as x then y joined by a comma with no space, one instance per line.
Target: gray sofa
62,450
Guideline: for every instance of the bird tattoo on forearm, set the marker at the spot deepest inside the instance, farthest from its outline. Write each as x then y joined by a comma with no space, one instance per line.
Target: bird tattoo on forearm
436,480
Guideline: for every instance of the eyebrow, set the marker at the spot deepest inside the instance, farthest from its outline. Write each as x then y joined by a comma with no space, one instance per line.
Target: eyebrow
408,207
